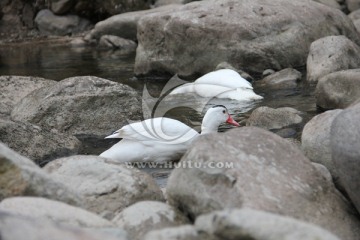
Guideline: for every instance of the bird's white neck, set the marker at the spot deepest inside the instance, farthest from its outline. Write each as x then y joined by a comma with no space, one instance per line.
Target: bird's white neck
209,125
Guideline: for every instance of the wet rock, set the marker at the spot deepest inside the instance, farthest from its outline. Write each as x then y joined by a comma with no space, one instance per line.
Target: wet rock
60,7
107,187
185,232
50,24
345,142
260,170
80,106
198,36
141,217
331,54
286,78
352,5
19,176
35,143
49,210
315,140
115,42
14,227
253,224
14,88
274,118
123,25
338,89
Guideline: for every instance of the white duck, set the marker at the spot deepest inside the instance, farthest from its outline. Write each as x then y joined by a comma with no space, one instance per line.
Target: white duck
223,83
162,139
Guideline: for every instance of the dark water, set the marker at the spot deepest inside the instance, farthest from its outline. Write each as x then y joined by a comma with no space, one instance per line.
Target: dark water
59,61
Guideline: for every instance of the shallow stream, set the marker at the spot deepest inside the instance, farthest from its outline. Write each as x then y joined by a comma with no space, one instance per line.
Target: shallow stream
58,61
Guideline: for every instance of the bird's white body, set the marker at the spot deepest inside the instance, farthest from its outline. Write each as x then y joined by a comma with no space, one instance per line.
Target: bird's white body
157,140
161,139
223,83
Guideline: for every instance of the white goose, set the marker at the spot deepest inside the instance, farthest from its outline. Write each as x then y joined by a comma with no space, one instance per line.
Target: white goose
162,139
223,83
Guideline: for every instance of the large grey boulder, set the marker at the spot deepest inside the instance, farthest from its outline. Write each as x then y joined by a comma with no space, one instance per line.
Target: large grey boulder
254,168
19,176
14,88
331,54
274,118
51,24
36,143
15,227
107,188
338,89
123,25
253,224
315,140
252,35
345,142
142,217
80,106
50,210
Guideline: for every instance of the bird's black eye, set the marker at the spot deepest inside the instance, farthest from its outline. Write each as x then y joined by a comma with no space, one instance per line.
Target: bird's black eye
224,111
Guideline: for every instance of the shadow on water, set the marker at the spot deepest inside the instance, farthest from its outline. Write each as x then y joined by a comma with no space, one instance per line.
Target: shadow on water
57,62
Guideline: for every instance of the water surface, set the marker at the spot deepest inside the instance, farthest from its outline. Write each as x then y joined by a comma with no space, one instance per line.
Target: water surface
59,61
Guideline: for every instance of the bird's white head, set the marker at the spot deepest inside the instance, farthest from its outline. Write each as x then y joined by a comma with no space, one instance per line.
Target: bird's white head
215,116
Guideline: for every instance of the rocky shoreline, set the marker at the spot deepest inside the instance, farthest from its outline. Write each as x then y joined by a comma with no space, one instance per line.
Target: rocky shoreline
274,186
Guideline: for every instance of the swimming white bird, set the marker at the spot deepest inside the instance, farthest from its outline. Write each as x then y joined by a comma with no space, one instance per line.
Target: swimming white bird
223,83
162,139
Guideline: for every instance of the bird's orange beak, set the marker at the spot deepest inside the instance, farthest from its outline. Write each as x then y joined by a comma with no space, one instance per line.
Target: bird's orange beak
231,121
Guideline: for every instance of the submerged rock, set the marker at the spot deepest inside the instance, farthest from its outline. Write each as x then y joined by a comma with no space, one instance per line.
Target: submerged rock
142,217
80,106
338,89
331,54
252,35
107,188
253,168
